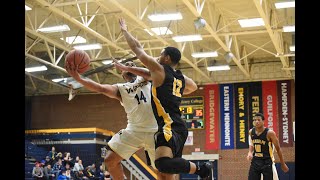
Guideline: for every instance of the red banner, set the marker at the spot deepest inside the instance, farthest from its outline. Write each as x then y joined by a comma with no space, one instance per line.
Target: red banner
270,105
284,111
212,116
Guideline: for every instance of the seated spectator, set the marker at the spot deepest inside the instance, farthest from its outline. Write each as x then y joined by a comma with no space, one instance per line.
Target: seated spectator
57,167
107,175
89,174
93,169
63,176
48,160
78,170
104,174
76,160
48,172
100,172
58,156
67,159
78,166
52,154
37,172
42,164
80,175
69,172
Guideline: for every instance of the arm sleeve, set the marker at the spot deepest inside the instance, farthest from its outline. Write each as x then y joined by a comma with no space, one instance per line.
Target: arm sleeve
250,141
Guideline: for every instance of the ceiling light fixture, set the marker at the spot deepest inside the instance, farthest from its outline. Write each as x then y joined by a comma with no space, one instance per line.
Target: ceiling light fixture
88,46
107,62
59,79
281,5
52,29
27,8
218,68
288,28
199,23
254,22
204,54
196,37
159,31
36,68
292,48
165,17
75,40
228,57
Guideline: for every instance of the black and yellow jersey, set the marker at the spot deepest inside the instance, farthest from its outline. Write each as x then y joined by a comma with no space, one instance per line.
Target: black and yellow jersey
166,100
263,149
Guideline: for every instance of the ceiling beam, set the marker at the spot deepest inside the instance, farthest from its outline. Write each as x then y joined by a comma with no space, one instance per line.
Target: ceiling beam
216,37
45,80
245,59
210,36
275,36
79,24
34,90
46,62
73,3
48,39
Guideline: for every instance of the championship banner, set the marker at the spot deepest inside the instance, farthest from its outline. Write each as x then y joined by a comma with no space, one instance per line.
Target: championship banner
241,114
270,105
211,100
284,112
226,116
255,100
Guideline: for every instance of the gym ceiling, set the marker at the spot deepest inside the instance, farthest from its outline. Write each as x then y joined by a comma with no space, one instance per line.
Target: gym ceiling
215,22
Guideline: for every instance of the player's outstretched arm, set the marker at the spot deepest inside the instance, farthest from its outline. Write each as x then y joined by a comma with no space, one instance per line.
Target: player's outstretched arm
136,47
275,141
145,73
106,89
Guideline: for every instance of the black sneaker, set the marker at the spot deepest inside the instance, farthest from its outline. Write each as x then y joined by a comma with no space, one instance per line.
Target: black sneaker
207,169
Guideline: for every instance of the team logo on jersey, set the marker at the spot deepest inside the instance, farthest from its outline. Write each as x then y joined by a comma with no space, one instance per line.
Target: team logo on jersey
135,87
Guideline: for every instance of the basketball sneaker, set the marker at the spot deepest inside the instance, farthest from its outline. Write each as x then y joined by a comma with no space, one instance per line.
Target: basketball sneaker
206,171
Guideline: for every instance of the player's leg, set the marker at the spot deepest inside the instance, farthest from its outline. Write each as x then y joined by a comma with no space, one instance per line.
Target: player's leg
113,163
254,171
204,170
164,153
122,145
150,148
267,170
168,156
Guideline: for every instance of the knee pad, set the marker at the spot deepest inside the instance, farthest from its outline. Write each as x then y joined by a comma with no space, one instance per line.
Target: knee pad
172,165
160,163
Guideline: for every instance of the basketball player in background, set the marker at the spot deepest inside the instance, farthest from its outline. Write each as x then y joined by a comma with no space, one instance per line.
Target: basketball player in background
168,86
135,97
262,142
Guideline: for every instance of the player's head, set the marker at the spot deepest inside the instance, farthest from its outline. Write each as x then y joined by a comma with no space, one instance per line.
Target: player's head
170,55
128,76
258,120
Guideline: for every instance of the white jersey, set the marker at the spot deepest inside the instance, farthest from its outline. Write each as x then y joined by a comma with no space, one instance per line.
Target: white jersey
136,100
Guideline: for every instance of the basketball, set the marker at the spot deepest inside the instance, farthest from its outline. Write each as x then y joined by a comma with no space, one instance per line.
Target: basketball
78,57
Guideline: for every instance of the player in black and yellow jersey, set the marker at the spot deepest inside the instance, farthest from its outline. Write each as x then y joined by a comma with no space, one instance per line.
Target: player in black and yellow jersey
262,142
168,86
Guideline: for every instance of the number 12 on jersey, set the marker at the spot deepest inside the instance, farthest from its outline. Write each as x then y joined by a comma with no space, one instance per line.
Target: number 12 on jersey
177,85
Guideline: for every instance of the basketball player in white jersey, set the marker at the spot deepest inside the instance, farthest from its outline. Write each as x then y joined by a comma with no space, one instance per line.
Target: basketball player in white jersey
135,97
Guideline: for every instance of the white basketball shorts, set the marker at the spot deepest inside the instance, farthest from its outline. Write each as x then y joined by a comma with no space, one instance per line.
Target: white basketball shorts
126,142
